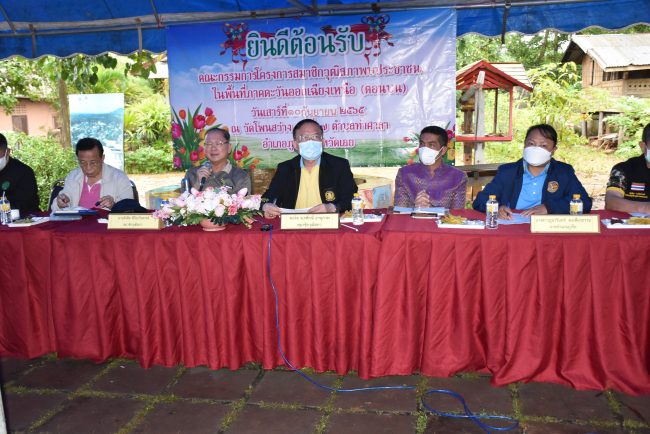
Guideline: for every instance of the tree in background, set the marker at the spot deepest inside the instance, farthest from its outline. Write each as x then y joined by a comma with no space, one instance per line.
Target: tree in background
46,157
531,51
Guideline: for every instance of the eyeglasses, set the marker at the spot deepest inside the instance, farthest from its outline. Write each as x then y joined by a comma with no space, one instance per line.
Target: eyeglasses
220,144
91,163
216,144
306,137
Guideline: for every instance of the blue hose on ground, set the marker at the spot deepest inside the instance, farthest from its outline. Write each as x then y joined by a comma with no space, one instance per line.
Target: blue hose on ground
477,419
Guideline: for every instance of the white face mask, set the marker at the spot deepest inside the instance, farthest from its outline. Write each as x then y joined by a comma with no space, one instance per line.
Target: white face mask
428,156
311,150
3,161
536,156
647,156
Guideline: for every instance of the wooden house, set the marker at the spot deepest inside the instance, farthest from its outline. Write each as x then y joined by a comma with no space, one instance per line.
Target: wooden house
618,63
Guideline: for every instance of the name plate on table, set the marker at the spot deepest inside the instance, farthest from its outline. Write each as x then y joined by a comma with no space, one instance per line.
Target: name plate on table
134,221
328,220
565,224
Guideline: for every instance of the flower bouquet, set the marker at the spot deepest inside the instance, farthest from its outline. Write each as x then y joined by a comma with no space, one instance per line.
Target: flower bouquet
215,205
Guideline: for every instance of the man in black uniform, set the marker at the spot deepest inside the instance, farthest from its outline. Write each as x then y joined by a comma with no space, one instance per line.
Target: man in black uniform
313,180
628,188
17,181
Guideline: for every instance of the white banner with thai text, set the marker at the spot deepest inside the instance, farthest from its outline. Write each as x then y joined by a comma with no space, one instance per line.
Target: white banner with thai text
372,81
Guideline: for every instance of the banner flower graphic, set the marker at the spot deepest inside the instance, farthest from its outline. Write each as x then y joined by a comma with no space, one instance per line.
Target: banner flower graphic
188,133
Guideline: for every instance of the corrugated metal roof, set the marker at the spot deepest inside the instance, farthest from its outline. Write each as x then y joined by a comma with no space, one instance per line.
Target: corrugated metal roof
514,70
615,51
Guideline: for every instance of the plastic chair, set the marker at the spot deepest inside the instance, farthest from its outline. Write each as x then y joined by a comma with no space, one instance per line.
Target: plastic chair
56,189
135,192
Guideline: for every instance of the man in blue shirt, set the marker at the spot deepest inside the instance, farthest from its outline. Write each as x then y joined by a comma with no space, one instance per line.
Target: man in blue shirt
537,183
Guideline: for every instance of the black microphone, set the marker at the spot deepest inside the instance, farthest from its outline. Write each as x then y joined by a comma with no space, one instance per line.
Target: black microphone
202,183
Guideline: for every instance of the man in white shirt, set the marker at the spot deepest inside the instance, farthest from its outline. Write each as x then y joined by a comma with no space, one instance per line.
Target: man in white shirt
94,183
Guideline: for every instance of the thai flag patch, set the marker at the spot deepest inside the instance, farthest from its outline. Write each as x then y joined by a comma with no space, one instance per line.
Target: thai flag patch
637,186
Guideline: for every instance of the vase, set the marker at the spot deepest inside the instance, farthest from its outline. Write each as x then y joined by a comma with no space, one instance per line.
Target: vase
208,226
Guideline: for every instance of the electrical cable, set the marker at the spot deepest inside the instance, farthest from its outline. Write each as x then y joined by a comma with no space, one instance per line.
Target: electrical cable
477,419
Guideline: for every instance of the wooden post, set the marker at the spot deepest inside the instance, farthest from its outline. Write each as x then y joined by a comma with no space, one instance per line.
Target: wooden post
496,111
479,155
601,117
467,153
621,136
583,127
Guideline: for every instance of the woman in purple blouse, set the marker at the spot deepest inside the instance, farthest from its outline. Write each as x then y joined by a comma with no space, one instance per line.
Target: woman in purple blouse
431,183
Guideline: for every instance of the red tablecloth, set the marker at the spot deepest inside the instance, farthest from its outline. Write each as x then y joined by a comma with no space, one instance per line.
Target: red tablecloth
182,295
398,297
572,309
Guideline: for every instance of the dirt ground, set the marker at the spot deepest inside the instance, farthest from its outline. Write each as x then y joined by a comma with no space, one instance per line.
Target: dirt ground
594,183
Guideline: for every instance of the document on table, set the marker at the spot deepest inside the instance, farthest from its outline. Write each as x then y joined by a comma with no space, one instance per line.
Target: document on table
517,219
77,210
431,210
294,211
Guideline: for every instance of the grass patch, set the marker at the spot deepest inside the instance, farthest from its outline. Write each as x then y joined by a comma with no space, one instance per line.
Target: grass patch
235,409
322,423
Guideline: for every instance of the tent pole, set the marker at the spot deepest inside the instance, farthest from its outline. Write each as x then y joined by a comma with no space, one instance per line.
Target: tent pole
7,19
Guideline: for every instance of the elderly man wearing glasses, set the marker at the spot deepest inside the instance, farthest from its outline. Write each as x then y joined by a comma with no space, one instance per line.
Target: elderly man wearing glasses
536,183
94,183
218,171
313,180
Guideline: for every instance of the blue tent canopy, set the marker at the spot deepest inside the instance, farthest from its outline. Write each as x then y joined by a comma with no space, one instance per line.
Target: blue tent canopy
33,28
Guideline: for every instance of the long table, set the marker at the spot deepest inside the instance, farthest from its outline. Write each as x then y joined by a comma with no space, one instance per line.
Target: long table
397,297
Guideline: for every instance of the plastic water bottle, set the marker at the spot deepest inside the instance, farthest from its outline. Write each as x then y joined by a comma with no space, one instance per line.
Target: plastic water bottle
357,210
575,206
5,210
492,212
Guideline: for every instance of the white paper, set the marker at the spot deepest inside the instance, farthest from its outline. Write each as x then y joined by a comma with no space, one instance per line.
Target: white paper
431,210
517,219
367,218
71,210
294,211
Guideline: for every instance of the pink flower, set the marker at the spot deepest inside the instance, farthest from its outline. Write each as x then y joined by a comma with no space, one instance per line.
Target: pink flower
244,148
406,139
237,155
208,111
450,134
194,156
199,121
177,162
176,130
232,209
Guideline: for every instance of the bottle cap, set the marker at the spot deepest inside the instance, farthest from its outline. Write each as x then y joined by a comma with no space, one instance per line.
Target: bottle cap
355,195
493,196
576,196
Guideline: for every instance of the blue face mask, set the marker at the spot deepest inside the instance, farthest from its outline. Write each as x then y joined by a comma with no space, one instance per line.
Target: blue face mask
311,150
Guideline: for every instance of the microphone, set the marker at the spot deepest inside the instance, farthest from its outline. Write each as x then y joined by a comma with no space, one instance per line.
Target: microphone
202,183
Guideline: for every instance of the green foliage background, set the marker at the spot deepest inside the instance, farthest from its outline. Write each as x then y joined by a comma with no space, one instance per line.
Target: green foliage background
46,157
